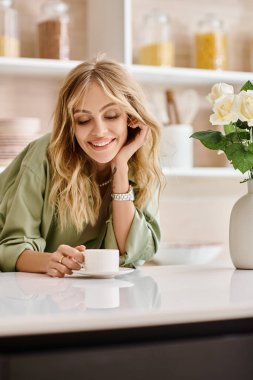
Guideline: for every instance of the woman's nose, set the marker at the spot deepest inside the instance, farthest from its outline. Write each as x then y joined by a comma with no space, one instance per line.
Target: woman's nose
99,128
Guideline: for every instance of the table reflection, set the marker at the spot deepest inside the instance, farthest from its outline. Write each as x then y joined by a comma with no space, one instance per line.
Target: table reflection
27,293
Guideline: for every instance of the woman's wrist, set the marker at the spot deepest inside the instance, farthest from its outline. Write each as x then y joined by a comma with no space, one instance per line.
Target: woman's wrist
120,183
31,261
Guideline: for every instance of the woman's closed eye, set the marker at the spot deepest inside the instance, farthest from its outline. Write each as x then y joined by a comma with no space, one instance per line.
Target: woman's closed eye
111,115
82,122
107,117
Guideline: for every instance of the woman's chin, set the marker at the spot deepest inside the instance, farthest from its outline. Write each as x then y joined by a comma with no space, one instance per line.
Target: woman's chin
104,158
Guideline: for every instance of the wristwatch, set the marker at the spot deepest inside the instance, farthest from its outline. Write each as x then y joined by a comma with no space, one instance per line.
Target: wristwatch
129,196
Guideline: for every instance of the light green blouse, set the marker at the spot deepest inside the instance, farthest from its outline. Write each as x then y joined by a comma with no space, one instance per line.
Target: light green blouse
27,219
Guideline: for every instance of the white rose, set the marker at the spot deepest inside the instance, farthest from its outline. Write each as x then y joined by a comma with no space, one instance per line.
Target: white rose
225,110
218,90
245,106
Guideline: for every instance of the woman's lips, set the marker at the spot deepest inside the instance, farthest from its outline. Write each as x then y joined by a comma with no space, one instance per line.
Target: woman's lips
101,145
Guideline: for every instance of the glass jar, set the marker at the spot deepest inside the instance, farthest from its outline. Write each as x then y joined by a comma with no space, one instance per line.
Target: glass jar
9,35
157,47
211,44
53,30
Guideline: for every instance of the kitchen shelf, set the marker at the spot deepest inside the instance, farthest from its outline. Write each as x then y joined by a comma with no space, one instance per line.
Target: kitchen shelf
174,76
35,67
211,172
196,172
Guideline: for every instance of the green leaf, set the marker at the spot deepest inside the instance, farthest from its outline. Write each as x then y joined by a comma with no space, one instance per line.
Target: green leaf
250,148
240,130
229,128
247,86
238,136
242,124
240,157
211,139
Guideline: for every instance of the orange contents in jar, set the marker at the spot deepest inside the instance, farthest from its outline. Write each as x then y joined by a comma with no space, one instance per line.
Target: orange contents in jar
157,54
211,50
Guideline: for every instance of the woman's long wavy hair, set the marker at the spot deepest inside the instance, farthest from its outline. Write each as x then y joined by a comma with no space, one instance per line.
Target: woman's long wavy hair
74,191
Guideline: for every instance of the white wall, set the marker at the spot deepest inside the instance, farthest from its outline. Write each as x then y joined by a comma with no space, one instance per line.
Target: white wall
198,210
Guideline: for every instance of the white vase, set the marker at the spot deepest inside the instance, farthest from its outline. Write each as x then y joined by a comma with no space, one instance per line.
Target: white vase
241,231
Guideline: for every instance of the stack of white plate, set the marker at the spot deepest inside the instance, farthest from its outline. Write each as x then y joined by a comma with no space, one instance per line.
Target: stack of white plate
15,135
191,253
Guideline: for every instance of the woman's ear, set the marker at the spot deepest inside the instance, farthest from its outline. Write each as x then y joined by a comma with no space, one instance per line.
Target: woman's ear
131,120
132,132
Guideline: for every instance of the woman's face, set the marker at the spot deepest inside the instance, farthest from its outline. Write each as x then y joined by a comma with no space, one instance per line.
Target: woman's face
100,125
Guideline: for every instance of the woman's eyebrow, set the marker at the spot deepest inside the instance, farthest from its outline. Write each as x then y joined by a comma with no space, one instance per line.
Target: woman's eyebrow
89,112
107,105
82,111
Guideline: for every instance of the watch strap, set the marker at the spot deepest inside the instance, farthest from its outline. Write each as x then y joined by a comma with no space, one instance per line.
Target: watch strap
129,196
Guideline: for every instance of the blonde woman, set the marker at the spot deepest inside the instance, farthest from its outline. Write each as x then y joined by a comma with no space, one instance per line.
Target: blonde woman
92,183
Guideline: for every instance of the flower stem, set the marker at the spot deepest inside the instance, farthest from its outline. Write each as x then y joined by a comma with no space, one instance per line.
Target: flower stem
251,140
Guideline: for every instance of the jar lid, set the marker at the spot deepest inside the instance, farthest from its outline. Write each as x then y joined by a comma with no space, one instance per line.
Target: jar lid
211,20
51,7
158,16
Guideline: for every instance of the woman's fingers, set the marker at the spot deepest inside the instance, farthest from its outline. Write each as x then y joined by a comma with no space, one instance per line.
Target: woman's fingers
54,272
73,253
65,259
81,248
70,263
142,133
60,269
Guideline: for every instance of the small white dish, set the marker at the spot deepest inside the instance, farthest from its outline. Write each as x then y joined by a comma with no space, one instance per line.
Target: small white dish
191,253
83,273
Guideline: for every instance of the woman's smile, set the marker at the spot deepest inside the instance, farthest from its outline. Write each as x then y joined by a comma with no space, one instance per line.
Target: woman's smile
101,145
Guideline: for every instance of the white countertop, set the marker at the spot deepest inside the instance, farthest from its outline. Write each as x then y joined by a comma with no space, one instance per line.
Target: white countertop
152,295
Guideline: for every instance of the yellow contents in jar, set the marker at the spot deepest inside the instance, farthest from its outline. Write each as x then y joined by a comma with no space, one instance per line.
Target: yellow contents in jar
211,51
9,46
161,54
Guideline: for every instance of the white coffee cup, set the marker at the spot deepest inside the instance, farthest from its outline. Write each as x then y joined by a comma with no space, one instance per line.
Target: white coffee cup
101,260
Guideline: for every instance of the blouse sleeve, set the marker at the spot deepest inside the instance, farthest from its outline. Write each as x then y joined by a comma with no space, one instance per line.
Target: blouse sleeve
21,207
143,238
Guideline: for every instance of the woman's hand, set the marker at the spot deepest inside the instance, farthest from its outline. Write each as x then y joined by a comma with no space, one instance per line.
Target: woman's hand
64,260
131,146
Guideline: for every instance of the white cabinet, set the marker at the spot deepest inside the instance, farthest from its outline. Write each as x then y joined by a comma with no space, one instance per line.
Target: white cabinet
110,30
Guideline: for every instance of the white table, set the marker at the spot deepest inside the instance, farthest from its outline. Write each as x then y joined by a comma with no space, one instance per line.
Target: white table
156,317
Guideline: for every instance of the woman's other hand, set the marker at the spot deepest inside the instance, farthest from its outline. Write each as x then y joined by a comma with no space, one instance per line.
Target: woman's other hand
139,133
64,260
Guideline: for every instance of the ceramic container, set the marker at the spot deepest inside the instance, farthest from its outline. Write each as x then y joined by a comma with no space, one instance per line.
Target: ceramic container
240,231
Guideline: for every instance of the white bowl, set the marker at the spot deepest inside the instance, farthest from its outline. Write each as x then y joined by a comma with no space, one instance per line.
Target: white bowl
192,253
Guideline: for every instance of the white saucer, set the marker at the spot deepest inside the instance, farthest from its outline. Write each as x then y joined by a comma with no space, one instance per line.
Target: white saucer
84,273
